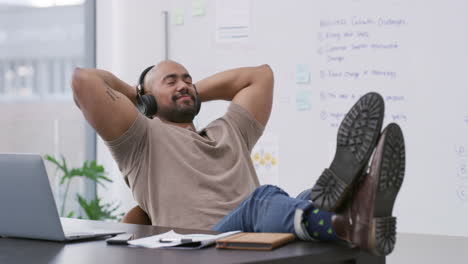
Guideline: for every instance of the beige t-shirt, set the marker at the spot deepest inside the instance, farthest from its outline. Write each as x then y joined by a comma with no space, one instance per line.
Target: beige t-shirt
186,179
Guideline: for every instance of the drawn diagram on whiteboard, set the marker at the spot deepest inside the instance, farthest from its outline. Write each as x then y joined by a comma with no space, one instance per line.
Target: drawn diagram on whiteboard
462,171
462,192
265,159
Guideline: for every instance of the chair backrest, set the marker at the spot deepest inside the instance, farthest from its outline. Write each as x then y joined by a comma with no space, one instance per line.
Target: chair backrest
137,216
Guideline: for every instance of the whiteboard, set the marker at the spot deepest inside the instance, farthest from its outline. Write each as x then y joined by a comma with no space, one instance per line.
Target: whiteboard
412,52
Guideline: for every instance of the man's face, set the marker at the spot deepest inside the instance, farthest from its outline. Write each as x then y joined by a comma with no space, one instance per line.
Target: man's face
171,85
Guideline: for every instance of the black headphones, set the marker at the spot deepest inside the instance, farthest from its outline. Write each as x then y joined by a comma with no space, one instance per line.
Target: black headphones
146,103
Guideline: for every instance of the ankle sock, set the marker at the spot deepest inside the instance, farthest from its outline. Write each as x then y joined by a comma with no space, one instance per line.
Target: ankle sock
318,224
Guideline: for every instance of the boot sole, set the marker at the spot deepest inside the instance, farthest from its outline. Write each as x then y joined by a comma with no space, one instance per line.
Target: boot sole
357,136
391,169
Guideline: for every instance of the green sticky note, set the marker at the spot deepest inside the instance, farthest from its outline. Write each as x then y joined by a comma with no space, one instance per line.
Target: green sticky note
320,222
303,100
198,8
302,73
315,234
330,231
177,16
316,211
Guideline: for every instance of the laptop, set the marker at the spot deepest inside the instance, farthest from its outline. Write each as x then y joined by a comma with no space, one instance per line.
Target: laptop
27,206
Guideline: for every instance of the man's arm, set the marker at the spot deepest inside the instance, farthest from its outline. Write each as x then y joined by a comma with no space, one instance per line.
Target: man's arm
249,87
106,101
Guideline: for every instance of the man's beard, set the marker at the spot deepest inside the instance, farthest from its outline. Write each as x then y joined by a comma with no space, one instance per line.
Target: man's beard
179,112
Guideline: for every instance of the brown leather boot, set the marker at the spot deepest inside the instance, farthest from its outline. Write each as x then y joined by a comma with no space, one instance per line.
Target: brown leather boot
356,140
367,220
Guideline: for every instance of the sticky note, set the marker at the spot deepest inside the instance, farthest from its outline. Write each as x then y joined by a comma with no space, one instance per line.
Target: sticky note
177,16
198,8
302,73
303,100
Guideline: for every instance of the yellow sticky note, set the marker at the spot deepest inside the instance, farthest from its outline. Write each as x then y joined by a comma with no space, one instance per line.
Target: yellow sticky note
256,156
273,161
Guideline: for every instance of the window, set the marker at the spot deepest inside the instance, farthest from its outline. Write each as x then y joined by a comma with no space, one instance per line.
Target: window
41,42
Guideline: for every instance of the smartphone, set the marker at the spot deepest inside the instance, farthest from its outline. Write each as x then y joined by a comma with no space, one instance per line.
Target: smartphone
120,239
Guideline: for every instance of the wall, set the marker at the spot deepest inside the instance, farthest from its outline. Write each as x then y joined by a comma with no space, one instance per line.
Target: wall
411,52
129,38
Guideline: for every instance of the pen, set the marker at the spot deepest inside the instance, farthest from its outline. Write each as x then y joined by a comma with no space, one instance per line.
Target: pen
174,240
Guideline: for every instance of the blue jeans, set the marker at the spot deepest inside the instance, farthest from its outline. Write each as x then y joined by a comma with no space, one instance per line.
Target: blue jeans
267,209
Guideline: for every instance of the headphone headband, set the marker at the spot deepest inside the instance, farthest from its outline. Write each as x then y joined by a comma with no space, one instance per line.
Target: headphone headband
140,88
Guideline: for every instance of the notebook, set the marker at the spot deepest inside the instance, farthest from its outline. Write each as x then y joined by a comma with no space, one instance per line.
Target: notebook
255,241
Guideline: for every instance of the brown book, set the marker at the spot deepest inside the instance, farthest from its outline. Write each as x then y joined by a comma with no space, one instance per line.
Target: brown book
255,241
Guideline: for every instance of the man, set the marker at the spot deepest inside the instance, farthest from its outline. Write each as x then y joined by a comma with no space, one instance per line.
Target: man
205,180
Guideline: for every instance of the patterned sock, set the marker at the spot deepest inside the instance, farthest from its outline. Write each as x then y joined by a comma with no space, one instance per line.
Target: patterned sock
318,225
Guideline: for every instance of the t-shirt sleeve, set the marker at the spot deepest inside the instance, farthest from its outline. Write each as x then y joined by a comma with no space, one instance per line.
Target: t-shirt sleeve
129,149
249,127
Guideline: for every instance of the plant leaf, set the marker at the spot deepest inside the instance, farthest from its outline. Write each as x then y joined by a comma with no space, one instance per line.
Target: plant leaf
94,209
97,211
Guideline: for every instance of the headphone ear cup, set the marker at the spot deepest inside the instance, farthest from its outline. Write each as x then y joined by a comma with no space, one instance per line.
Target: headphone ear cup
198,102
147,105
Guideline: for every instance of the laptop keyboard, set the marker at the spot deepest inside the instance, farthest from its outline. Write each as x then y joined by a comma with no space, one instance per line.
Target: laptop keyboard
74,234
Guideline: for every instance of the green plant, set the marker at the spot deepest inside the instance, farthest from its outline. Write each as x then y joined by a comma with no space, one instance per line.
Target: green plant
93,209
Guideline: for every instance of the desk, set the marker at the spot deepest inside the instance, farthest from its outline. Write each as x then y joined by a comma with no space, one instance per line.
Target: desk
97,251
429,249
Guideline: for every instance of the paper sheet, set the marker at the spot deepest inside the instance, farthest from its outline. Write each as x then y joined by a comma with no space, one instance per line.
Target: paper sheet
232,20
203,239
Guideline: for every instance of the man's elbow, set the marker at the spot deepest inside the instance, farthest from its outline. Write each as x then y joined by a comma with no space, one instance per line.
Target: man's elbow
79,80
266,68
267,74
